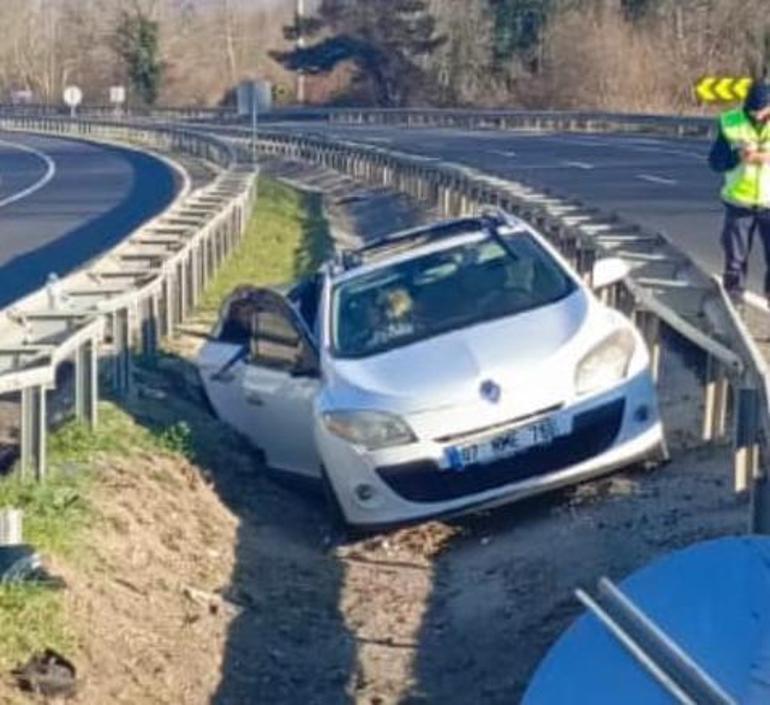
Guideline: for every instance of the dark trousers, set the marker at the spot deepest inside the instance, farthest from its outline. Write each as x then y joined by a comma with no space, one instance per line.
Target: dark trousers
740,227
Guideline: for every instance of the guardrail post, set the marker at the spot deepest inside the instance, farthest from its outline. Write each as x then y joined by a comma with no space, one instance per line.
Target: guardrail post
121,342
86,384
33,431
746,438
649,326
181,278
715,400
150,326
760,491
585,256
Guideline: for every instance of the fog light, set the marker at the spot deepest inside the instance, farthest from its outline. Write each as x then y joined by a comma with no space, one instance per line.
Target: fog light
365,493
642,414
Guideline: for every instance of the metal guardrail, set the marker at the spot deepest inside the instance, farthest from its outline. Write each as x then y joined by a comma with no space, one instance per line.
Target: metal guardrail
569,121
37,110
664,290
129,298
541,120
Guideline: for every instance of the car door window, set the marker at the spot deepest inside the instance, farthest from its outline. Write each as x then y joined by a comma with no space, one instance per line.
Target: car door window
237,319
278,341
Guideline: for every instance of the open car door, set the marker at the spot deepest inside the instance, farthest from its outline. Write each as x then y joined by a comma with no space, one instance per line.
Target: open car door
262,375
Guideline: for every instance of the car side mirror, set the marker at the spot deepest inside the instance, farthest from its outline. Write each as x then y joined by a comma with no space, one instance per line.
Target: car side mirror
608,271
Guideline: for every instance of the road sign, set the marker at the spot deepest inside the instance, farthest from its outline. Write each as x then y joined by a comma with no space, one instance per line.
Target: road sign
723,89
73,96
118,95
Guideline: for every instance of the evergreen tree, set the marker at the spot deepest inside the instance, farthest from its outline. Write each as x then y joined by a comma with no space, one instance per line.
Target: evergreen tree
518,26
385,40
136,42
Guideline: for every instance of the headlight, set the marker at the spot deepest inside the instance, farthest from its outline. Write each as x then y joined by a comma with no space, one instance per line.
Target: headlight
371,429
606,364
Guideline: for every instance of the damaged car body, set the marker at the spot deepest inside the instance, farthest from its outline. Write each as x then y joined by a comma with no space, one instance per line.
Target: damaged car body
439,370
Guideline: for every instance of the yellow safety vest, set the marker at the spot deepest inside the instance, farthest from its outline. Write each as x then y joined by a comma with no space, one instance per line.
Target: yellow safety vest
747,185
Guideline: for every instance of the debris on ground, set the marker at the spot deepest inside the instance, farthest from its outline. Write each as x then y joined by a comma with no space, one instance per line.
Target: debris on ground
22,564
48,674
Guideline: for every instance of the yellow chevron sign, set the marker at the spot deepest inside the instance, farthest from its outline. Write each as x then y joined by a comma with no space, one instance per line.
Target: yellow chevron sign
723,89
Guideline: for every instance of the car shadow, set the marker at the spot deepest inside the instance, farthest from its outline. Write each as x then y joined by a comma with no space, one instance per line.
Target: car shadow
288,642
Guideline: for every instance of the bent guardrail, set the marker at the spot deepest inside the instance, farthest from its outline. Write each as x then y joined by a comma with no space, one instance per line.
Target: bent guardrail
127,299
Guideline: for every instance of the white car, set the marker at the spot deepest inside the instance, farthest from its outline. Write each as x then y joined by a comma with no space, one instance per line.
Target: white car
435,371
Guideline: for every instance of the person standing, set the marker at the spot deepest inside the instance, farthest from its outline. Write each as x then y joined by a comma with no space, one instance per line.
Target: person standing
741,152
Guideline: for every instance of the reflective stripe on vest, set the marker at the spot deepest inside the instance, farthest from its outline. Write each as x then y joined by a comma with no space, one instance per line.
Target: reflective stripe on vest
748,184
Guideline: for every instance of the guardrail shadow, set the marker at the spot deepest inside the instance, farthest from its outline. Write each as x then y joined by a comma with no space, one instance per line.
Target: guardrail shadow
288,642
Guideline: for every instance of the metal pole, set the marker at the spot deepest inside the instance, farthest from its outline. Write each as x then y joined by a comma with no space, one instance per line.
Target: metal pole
635,649
253,123
300,45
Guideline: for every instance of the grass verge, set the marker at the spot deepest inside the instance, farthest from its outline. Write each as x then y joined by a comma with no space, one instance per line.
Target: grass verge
57,513
286,238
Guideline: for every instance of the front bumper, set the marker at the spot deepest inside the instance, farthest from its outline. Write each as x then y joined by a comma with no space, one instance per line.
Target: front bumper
412,482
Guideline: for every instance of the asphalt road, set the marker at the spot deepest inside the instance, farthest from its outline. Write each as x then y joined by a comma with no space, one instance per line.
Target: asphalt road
662,183
63,202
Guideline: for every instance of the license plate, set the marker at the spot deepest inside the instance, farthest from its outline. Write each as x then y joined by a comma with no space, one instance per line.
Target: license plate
508,444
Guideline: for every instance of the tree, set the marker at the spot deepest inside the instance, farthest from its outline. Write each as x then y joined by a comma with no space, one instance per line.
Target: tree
518,28
384,40
137,44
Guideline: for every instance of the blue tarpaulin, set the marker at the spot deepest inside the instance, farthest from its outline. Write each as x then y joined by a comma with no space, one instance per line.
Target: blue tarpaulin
712,599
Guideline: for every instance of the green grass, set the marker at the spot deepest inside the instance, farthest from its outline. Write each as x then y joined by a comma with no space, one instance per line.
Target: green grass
31,620
56,513
287,238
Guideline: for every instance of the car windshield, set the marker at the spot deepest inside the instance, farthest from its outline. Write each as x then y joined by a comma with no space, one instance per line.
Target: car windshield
442,291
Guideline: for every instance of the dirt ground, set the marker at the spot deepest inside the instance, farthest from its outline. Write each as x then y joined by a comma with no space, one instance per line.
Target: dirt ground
210,583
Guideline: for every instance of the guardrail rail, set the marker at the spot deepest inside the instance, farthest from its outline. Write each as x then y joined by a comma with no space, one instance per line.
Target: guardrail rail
129,298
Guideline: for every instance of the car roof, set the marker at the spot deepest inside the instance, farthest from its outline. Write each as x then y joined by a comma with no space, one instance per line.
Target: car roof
396,245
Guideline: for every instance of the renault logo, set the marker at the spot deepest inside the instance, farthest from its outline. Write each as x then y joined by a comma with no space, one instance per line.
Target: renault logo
490,391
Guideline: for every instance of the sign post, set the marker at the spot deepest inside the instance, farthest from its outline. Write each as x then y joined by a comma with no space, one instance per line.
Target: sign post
73,97
118,98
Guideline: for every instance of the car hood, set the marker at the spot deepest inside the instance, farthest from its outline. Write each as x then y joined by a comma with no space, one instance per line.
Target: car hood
449,368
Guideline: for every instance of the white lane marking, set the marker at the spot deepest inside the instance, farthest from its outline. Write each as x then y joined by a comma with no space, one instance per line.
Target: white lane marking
627,145
49,173
580,165
656,179
502,153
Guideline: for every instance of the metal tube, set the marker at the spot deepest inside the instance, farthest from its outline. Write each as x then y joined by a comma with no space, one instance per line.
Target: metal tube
682,659
635,650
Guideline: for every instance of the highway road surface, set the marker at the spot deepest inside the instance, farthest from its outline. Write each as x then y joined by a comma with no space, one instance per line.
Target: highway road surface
662,183
63,202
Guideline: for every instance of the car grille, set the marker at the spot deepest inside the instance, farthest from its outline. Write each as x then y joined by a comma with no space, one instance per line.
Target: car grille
593,432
